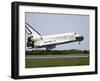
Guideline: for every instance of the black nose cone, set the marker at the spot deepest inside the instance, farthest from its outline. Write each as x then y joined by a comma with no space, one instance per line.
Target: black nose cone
79,38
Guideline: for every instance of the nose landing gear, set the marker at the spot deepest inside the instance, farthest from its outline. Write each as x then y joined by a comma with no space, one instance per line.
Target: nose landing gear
79,38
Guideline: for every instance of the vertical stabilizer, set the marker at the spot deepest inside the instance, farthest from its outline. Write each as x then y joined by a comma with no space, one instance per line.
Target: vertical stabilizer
31,31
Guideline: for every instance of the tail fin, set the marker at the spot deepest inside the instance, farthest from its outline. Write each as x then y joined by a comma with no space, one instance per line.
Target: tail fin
31,31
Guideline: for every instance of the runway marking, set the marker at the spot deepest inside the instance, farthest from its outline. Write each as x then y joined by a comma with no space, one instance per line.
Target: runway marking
56,56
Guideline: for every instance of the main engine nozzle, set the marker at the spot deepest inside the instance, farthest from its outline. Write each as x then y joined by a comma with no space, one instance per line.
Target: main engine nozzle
30,43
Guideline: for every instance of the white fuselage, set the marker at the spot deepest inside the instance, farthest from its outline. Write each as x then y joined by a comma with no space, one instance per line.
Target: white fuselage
35,40
54,39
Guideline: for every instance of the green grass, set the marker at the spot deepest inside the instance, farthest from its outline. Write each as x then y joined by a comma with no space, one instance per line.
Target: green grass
53,62
56,52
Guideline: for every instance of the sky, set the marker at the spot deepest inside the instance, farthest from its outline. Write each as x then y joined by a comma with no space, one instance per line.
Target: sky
50,23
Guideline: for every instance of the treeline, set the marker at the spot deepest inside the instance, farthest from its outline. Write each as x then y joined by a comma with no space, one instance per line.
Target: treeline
56,52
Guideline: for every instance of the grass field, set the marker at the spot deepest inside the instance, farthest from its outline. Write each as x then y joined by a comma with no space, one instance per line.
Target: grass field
56,52
53,62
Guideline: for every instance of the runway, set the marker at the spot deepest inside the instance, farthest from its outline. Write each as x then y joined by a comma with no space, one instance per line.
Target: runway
56,56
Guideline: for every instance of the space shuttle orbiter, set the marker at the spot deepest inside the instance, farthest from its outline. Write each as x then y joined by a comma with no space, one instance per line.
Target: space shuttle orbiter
36,40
